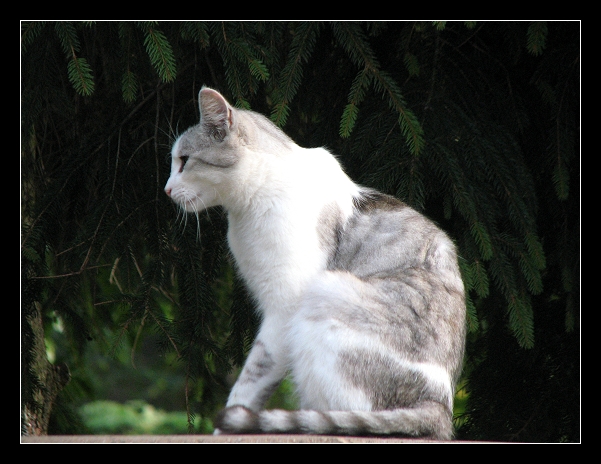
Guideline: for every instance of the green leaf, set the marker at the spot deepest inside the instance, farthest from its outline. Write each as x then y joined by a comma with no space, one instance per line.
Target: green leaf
255,65
521,319
80,76
129,86
410,126
349,116
350,36
241,56
411,64
482,239
30,254
567,280
531,274
303,41
29,31
356,96
561,180
411,129
447,204
68,37
471,314
535,249
280,113
161,54
196,31
480,279
537,37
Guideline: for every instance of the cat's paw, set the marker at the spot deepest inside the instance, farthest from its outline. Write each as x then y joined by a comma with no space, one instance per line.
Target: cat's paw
236,419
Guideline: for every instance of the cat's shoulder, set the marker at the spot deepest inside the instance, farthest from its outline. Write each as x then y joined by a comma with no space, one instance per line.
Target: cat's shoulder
369,200
374,210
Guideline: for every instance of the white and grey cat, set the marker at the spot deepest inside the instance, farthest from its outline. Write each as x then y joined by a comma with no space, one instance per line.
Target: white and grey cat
361,297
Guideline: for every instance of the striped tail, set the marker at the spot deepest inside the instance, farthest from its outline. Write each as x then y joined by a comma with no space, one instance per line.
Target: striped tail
428,419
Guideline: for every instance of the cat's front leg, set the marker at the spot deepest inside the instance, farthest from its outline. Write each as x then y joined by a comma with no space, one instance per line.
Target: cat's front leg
263,370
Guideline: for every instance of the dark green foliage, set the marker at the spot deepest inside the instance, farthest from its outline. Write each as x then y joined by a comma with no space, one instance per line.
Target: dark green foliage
474,124
301,47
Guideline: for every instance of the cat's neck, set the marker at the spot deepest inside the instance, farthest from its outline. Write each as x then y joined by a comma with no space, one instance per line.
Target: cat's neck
295,180
274,235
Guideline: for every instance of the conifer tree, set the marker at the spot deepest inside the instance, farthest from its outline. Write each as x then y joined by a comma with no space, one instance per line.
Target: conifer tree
474,124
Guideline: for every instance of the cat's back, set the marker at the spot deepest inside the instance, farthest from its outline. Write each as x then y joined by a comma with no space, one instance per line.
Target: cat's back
384,236
401,269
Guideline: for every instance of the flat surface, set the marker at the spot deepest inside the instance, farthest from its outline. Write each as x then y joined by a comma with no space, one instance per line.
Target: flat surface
219,439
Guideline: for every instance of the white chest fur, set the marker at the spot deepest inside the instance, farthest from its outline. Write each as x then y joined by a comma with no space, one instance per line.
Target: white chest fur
275,238
276,255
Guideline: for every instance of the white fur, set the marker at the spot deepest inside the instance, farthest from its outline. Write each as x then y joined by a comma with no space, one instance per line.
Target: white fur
273,236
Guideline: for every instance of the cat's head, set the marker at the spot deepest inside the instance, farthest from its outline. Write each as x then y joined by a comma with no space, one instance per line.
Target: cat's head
226,158
205,157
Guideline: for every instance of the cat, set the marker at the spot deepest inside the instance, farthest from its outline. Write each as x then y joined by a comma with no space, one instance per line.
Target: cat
360,296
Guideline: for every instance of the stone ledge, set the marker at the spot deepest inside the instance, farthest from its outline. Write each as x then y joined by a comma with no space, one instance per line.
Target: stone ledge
239,439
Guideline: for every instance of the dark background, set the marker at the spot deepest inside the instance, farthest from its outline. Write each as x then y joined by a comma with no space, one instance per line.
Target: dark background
476,124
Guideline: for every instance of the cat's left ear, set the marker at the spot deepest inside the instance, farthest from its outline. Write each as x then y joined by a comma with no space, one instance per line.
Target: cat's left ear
215,112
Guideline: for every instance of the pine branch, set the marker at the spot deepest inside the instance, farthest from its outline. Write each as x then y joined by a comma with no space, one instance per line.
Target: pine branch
351,38
78,69
196,31
412,64
480,278
245,54
80,76
129,86
471,314
129,79
469,282
356,96
30,30
537,37
160,53
482,239
535,250
223,33
67,35
561,179
303,42
531,273
521,319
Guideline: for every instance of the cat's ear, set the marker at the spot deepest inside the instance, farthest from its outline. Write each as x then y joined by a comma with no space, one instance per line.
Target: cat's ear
215,112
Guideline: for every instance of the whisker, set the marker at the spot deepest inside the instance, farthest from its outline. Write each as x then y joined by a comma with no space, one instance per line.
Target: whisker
190,199
182,217
197,226
205,209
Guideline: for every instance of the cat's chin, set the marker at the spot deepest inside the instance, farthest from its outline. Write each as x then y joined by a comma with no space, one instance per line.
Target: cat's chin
197,206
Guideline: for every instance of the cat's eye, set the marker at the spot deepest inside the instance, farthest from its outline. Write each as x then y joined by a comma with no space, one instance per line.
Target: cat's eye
184,161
